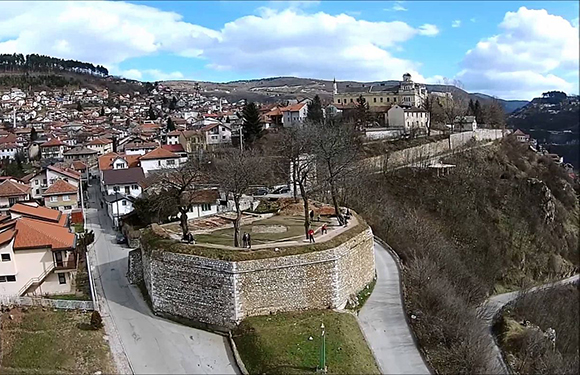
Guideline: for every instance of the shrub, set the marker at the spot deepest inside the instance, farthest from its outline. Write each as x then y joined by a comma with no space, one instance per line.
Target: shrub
96,320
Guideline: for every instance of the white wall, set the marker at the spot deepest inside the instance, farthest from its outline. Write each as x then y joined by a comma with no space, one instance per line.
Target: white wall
8,268
196,211
123,209
30,264
51,285
396,117
52,176
134,189
151,165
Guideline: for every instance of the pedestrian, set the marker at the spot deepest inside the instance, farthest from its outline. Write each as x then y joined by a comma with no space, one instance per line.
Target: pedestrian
311,235
249,240
345,221
190,238
318,217
101,204
324,229
311,215
245,240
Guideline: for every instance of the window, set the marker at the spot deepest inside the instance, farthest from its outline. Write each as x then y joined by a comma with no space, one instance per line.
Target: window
6,257
351,100
37,191
134,187
338,101
9,278
44,181
394,100
171,161
66,197
388,100
123,203
206,207
374,100
36,182
11,201
127,190
68,207
159,163
61,278
381,99
53,199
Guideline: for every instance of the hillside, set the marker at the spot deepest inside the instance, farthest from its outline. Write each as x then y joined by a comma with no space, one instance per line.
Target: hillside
502,219
284,88
554,120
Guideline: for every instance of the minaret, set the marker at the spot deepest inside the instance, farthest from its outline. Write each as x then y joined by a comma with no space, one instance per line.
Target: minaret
334,87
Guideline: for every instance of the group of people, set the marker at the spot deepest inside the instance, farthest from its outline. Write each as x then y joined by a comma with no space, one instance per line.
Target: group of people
247,240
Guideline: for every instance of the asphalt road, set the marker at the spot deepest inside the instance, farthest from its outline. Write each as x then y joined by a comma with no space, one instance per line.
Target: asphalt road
151,344
382,320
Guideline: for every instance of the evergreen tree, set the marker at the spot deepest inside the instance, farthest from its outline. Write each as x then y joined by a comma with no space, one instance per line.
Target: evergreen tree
152,114
170,125
315,113
362,112
79,106
478,113
102,112
173,103
471,108
252,123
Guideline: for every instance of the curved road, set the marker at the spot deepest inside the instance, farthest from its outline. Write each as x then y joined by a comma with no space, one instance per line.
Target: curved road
382,320
142,342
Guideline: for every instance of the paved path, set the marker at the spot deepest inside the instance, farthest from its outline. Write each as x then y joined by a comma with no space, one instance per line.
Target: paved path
491,307
383,322
152,345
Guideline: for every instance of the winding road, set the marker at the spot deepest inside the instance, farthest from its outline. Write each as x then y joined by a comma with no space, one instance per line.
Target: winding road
382,320
141,342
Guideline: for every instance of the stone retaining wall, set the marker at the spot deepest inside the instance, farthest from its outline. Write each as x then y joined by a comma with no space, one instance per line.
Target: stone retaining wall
135,273
218,294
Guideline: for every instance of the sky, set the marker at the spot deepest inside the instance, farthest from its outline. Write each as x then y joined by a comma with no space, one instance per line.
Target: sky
508,49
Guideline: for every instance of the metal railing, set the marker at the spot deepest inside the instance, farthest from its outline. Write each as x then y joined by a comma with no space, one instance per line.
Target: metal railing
36,280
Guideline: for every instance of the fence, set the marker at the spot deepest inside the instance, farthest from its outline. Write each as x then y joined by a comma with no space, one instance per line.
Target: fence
45,302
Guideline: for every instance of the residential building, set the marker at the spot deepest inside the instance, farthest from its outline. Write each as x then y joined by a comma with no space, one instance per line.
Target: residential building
54,173
101,145
192,141
84,154
8,151
294,114
408,118
62,196
158,159
172,137
466,123
117,160
53,148
37,252
521,136
407,94
140,148
118,205
203,203
11,192
125,181
217,133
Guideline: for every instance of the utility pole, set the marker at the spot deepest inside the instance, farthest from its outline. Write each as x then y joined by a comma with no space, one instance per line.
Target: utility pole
322,364
241,139
117,203
83,204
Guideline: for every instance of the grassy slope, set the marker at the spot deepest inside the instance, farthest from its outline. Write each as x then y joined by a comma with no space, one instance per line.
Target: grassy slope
279,344
39,341
480,229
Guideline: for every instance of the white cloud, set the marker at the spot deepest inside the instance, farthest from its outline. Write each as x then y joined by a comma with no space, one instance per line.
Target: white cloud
473,19
397,7
108,33
148,74
456,23
428,30
525,58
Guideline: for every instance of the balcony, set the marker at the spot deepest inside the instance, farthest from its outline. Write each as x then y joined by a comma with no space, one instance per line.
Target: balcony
68,263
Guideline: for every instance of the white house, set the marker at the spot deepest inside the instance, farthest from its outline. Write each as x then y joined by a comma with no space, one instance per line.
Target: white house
159,158
294,114
118,205
217,133
173,137
8,151
101,145
124,181
408,118
204,203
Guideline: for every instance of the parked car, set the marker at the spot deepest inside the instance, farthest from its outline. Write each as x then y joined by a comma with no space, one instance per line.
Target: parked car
281,190
120,238
261,191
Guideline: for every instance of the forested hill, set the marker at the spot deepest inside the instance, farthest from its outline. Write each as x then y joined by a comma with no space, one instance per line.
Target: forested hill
19,63
554,120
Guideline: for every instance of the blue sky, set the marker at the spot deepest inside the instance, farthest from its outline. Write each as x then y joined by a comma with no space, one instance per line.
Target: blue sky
510,49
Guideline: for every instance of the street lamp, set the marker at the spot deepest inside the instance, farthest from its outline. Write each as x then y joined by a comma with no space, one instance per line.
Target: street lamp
322,364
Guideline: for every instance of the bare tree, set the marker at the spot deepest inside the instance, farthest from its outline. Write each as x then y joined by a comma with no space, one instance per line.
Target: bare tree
236,172
335,145
174,187
454,105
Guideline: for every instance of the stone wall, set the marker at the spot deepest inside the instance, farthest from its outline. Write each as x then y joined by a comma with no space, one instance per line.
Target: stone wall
219,294
135,273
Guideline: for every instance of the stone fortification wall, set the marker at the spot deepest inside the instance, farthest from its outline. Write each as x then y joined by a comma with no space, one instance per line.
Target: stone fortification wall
135,272
219,293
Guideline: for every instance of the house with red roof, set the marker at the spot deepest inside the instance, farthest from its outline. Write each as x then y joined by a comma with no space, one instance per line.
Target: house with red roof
61,196
295,113
36,252
11,192
101,145
159,158
53,148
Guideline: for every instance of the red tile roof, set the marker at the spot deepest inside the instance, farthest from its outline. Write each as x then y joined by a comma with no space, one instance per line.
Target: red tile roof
65,171
9,188
100,141
60,187
6,236
42,213
53,142
10,138
106,161
159,153
174,148
174,132
294,107
36,234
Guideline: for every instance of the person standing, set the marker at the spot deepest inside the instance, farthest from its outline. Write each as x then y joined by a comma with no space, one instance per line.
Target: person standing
311,215
249,241
311,235
324,229
245,240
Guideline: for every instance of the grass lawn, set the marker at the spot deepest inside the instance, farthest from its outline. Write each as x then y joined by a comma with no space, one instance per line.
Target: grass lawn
38,341
70,297
279,344
294,225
